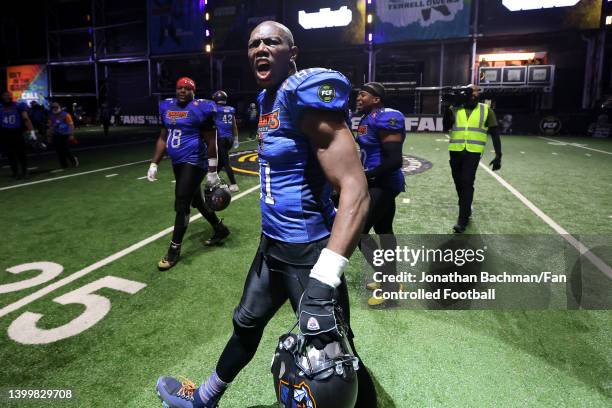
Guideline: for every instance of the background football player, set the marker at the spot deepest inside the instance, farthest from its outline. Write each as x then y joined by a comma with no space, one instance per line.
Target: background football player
13,118
380,136
189,137
60,132
305,149
227,135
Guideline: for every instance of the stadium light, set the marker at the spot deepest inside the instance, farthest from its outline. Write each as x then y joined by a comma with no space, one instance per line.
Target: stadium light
208,48
510,56
517,5
369,19
325,18
207,33
370,37
608,20
207,16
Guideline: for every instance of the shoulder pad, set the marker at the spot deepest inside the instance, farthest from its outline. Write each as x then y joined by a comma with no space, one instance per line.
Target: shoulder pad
390,119
320,88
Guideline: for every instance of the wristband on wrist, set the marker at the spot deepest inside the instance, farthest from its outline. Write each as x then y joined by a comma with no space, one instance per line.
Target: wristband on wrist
212,162
329,268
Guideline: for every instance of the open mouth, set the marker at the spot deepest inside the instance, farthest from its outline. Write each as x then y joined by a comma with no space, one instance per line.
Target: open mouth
262,67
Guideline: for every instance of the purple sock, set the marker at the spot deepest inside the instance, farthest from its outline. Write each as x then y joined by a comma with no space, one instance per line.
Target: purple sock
209,393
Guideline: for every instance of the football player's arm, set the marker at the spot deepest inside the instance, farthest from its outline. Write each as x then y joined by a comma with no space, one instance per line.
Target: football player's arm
49,130
335,149
234,127
160,146
448,120
209,134
70,124
26,121
160,149
391,154
494,132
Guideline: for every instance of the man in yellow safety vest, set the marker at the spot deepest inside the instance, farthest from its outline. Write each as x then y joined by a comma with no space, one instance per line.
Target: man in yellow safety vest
469,122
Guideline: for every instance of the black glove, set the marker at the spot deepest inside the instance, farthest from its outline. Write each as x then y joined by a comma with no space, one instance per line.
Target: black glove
496,162
317,315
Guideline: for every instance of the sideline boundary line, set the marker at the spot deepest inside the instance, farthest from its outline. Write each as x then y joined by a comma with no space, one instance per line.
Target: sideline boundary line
574,145
103,262
580,247
71,175
93,171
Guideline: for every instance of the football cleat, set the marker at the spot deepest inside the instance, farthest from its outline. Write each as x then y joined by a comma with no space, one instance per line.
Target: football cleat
373,285
170,259
380,302
221,232
234,188
174,393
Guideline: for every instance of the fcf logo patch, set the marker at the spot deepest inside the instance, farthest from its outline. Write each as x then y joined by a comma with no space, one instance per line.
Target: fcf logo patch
326,93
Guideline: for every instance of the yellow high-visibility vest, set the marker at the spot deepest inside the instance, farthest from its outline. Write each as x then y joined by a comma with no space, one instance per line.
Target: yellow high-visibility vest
469,133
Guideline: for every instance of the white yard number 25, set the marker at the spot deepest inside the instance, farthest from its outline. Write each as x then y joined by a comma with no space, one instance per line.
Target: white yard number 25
24,329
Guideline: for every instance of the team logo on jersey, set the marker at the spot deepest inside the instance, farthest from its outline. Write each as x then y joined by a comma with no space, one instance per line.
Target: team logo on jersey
326,93
302,396
392,122
415,165
362,130
172,116
268,122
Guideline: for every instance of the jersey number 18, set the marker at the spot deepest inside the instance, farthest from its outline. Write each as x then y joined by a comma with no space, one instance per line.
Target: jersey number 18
175,138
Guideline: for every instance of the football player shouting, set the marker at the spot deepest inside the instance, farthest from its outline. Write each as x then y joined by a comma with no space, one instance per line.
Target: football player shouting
305,149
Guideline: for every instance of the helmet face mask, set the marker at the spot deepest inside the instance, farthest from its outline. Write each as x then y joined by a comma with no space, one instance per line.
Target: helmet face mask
309,378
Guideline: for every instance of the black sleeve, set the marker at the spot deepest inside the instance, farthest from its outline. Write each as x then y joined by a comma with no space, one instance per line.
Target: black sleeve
391,160
448,120
494,132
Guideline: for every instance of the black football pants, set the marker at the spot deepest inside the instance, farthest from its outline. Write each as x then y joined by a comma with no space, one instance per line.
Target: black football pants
224,145
279,272
62,148
14,147
463,166
380,217
187,192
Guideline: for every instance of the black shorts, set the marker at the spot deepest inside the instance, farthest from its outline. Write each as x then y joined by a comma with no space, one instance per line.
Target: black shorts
280,271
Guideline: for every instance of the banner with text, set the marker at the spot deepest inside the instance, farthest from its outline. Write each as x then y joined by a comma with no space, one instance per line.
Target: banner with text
28,83
408,20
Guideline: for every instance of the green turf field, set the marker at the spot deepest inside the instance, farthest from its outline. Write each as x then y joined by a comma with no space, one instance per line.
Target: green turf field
176,323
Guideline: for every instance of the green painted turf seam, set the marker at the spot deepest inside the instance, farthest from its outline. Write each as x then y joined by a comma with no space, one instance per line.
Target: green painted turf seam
103,262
